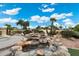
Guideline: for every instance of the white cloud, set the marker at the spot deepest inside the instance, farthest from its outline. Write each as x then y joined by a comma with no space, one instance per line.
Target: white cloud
44,5
68,23
61,16
7,20
43,26
56,24
32,27
39,19
47,9
53,3
12,11
42,19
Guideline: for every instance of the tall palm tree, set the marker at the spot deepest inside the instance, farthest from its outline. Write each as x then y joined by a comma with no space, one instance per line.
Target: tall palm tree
9,28
52,21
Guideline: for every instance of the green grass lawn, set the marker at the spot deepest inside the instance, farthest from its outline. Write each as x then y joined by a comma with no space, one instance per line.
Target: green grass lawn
73,52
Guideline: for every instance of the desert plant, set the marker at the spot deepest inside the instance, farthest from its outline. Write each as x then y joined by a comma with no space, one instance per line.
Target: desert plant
38,31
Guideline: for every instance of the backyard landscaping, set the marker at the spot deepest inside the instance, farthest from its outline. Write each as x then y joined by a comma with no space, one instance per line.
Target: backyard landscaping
34,33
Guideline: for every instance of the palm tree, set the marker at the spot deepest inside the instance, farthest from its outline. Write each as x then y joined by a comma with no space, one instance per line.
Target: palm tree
9,28
25,24
20,22
52,21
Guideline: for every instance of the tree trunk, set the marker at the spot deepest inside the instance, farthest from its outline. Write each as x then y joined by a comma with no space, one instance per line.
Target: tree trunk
7,31
51,28
47,31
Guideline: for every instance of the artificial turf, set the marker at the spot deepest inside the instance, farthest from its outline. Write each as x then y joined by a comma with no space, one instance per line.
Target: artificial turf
73,52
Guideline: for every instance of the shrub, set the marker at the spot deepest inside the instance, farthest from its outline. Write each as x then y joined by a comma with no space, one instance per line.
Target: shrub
76,34
73,52
52,33
38,31
76,28
67,34
26,31
17,31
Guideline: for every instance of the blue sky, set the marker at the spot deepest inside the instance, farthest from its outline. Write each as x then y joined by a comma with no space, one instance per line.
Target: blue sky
67,14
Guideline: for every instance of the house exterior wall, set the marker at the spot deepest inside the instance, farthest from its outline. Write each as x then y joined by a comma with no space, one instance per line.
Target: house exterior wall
2,32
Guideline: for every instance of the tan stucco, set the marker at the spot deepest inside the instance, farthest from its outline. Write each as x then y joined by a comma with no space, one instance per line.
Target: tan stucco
3,32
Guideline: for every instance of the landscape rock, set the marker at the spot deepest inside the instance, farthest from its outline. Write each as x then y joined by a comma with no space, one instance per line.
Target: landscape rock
40,52
61,51
40,45
14,49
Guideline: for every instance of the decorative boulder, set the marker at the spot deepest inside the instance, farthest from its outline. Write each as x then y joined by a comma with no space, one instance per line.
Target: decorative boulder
14,49
62,51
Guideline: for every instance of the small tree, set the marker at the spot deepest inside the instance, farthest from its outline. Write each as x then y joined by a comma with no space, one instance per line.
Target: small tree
20,22
52,21
9,28
23,24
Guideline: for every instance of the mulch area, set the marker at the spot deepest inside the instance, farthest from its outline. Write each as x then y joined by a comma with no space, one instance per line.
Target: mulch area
70,44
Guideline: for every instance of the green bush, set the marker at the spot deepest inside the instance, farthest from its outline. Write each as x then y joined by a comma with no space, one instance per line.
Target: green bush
67,34
26,31
76,28
17,31
73,52
38,31
52,33
76,34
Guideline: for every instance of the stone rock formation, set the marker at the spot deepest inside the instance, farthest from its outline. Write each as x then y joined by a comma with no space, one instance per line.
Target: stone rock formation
39,45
